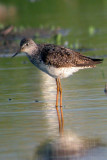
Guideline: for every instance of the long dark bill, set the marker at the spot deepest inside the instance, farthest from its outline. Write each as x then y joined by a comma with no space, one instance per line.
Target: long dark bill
15,54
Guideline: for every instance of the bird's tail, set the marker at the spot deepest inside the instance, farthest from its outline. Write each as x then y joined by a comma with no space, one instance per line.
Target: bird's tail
97,61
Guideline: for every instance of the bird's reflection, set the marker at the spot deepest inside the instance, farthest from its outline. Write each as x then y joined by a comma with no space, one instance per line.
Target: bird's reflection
49,95
60,120
65,146
51,115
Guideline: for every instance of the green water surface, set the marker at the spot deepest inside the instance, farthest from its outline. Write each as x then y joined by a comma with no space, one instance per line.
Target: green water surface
27,95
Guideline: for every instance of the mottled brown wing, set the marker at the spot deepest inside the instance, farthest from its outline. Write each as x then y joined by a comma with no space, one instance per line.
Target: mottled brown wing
58,56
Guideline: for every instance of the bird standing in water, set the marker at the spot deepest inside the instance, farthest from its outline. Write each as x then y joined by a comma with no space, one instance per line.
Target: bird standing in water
56,61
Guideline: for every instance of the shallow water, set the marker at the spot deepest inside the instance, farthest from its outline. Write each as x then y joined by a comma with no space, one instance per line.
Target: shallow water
27,106
27,96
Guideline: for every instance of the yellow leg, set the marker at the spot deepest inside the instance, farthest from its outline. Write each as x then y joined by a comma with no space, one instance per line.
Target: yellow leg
60,90
57,83
59,120
62,119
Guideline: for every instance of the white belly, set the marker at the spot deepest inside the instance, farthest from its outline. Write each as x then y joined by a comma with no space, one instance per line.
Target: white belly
62,72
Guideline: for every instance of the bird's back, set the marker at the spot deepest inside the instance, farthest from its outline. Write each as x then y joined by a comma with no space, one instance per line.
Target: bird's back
59,56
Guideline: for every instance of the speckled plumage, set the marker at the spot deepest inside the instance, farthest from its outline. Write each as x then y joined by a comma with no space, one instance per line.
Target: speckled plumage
59,56
57,61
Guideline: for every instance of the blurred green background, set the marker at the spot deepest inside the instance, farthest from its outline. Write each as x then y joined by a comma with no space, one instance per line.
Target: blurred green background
64,13
83,22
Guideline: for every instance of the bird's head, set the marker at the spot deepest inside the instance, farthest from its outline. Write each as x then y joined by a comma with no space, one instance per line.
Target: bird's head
26,46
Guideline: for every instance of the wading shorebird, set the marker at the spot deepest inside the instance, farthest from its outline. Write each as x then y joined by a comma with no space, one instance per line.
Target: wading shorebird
56,61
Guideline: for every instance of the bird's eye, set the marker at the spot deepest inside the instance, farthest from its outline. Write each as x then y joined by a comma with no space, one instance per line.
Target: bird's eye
27,44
